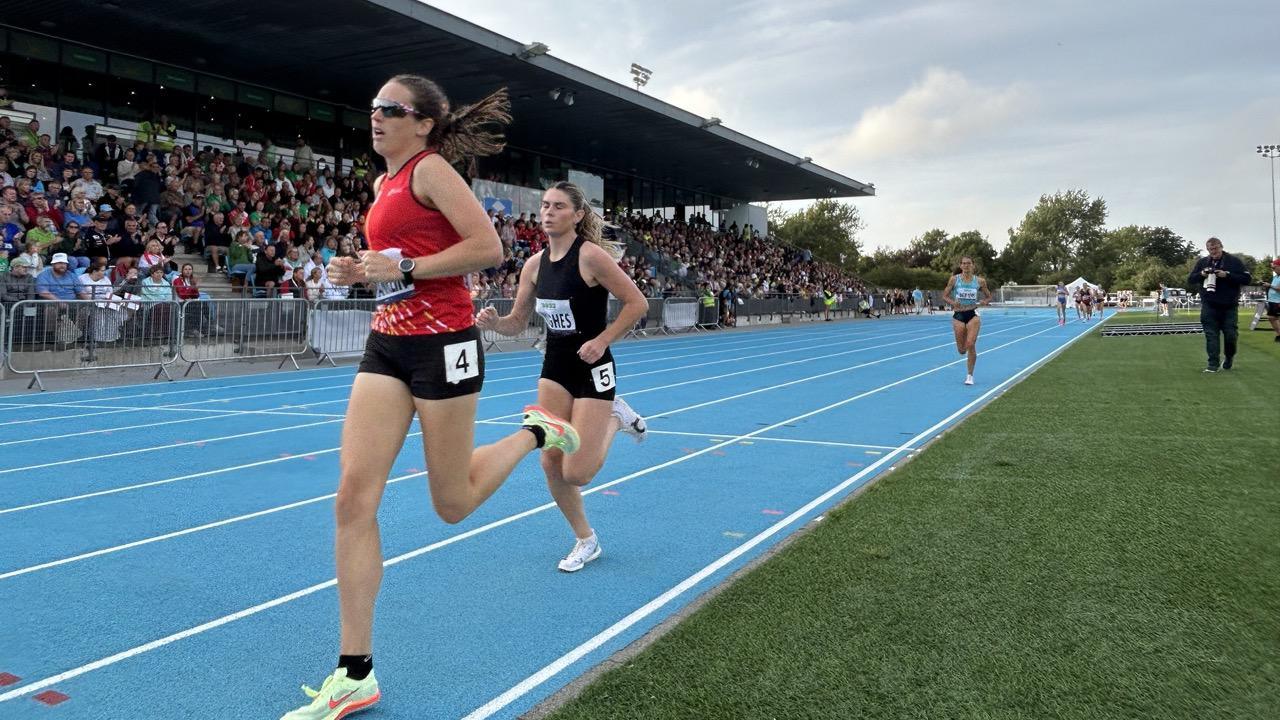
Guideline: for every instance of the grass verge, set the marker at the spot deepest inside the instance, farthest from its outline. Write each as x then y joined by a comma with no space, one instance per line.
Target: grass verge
1103,541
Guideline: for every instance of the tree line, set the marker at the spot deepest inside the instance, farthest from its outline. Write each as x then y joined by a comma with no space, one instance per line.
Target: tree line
1063,237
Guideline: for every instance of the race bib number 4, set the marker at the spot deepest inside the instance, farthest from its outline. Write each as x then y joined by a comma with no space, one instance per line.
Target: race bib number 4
461,361
557,315
603,377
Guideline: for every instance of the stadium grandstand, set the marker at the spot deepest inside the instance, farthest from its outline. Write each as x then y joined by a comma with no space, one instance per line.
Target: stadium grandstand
192,153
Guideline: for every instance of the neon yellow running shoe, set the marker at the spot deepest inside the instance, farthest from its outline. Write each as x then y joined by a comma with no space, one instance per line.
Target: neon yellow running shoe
338,697
560,435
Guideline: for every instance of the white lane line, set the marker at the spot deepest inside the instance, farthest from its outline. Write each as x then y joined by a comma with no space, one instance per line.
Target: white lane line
732,438
552,669
167,640
154,483
794,362
215,384
185,406
175,406
722,436
187,531
223,413
168,446
222,383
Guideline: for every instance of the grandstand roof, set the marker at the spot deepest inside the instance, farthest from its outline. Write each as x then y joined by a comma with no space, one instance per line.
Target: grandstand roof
340,50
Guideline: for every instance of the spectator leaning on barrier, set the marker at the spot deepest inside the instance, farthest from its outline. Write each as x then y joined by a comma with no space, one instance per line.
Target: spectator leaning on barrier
1220,276
57,282
94,283
155,288
19,284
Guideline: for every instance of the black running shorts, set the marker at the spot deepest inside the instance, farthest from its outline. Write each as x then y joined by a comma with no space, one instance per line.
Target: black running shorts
435,367
964,316
1273,309
597,380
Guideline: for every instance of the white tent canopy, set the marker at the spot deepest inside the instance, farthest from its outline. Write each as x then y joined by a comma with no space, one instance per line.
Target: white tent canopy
1079,283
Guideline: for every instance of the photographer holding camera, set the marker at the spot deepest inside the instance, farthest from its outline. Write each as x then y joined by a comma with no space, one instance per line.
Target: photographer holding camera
1220,277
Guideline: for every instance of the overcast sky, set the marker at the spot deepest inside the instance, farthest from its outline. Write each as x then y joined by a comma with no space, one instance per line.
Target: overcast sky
964,113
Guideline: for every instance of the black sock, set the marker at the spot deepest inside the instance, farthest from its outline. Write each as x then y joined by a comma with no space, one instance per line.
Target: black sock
358,666
539,434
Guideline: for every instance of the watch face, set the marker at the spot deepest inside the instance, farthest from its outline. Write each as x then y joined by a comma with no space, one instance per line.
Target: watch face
406,265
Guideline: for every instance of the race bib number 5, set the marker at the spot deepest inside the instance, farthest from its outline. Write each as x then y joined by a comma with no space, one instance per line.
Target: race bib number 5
603,377
461,361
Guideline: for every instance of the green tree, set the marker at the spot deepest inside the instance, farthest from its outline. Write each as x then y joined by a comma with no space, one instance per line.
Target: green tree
924,250
1053,235
827,228
973,244
1166,246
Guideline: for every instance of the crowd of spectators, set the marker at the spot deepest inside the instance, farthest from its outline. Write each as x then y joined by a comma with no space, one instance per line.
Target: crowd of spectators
268,222
735,259
272,222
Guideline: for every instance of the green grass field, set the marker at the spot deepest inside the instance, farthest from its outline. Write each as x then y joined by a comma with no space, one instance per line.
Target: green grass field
1028,565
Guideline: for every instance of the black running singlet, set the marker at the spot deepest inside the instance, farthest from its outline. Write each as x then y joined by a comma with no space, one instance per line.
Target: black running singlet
573,311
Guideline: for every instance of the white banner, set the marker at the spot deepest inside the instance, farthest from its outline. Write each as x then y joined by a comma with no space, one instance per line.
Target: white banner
331,332
680,314
512,199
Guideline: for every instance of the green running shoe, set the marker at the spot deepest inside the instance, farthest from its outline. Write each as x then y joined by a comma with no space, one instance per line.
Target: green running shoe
338,697
560,435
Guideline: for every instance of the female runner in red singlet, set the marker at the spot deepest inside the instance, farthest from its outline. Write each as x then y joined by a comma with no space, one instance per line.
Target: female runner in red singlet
426,231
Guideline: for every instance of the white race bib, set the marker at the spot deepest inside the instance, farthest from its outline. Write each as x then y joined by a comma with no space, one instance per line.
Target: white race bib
967,294
603,377
386,293
557,315
461,361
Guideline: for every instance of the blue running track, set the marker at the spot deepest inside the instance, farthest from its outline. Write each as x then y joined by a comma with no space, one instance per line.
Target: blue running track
166,549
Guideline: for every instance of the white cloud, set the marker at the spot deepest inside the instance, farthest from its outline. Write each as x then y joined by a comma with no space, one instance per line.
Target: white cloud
942,110
697,100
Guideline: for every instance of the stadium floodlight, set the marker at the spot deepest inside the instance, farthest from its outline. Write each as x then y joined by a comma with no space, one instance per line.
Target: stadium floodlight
533,49
640,75
568,98
803,160
753,162
1272,152
710,122
555,93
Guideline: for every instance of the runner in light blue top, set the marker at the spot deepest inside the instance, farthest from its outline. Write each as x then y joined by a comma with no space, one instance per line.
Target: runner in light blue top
1062,304
962,294
1273,298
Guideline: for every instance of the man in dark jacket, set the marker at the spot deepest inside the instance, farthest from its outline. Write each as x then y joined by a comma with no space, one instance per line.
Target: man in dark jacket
147,186
1220,277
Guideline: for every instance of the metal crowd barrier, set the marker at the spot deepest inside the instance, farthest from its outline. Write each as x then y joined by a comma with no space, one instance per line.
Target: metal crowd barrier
532,333
339,328
651,317
218,330
47,336
680,315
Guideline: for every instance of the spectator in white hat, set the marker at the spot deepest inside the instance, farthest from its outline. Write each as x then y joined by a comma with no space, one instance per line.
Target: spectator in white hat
60,284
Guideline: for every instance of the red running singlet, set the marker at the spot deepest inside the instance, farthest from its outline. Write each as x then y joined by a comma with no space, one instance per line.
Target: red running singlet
398,220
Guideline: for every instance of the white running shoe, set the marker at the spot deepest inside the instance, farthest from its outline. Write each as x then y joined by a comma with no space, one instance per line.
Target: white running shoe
968,379
583,552
630,420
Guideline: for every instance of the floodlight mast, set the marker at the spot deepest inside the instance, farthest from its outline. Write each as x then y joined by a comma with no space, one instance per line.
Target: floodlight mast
640,75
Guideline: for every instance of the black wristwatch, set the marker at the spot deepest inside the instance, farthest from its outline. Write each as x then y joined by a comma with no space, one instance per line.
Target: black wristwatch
406,266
